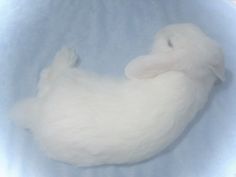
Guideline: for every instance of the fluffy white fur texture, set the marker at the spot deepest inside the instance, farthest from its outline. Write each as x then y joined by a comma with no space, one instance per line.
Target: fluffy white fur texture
85,119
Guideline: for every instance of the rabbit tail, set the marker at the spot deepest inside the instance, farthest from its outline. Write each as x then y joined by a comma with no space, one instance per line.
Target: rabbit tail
25,113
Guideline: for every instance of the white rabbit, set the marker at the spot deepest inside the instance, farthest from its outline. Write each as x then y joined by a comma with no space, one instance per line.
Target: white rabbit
85,119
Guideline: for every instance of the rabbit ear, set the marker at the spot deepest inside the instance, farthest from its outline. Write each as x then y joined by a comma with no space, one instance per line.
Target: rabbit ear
145,67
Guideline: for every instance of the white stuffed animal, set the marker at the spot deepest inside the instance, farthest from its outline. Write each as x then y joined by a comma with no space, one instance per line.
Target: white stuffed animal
85,119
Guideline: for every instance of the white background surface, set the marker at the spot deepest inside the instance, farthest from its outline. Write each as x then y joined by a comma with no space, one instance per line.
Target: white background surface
107,35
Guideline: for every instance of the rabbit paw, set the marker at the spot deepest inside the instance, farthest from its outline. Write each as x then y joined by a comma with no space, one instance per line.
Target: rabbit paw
66,57
64,60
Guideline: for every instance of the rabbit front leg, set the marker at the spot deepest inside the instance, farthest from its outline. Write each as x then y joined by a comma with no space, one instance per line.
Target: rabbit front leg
149,66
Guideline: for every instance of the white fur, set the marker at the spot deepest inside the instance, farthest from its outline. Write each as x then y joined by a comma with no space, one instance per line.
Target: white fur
85,119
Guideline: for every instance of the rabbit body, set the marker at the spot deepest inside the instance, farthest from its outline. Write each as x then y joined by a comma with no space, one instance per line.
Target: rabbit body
85,119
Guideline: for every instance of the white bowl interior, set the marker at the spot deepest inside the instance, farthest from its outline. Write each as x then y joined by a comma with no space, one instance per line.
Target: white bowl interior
107,35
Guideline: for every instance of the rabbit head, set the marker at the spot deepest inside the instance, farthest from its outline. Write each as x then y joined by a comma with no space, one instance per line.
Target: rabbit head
181,47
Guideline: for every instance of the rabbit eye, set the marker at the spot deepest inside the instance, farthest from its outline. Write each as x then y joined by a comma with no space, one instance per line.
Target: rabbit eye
169,43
